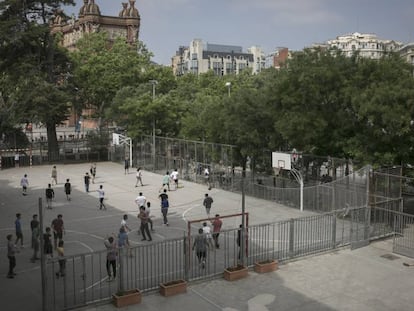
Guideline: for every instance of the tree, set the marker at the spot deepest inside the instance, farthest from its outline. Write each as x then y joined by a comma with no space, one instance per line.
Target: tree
102,68
32,62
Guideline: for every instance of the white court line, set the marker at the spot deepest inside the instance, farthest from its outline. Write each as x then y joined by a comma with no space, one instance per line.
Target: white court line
85,233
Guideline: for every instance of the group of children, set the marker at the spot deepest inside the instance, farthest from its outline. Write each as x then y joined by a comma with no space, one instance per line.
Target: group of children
57,226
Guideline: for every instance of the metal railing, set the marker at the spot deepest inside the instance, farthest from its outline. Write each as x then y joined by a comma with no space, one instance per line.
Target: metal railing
146,266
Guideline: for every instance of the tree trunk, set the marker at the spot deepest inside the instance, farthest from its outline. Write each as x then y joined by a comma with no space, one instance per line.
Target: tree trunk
52,143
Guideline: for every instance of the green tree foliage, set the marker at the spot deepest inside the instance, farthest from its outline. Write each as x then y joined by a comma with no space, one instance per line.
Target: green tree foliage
352,107
33,67
102,68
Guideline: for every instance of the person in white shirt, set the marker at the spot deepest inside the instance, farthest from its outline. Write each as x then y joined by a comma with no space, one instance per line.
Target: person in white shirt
174,177
24,182
207,233
124,223
140,200
139,177
207,177
101,195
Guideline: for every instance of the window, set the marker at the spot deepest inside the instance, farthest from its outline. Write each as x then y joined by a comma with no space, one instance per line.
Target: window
217,68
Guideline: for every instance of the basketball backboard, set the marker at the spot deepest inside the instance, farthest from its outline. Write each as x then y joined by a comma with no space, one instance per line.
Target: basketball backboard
282,160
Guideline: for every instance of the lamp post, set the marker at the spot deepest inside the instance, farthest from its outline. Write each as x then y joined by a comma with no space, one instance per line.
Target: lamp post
154,83
228,84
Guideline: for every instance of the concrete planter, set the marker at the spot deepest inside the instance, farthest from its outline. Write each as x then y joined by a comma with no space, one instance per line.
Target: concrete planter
126,298
266,266
173,288
235,273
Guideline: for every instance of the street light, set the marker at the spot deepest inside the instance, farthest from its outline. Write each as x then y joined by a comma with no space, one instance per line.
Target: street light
154,83
228,84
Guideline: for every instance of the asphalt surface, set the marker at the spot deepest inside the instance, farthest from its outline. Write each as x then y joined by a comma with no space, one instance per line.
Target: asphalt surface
345,280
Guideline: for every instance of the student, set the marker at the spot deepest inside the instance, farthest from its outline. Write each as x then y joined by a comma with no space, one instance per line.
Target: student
62,260
148,211
92,170
101,195
50,194
124,223
35,241
200,245
126,166
58,229
217,223
207,232
24,182
165,182
86,180
207,178
68,189
140,200
111,255
174,177
11,255
47,243
54,175
139,177
208,201
144,224
19,232
164,206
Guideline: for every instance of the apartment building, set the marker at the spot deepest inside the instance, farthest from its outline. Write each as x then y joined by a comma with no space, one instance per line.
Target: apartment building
200,57
368,45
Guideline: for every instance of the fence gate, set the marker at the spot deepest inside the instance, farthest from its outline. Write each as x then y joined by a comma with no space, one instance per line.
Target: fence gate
403,243
360,224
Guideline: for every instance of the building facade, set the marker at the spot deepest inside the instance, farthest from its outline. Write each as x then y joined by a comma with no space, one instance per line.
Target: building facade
200,57
90,20
407,52
278,58
368,45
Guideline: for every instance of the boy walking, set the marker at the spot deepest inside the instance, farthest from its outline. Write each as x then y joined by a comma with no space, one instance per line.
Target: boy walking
11,255
139,177
54,175
144,224
24,182
50,194
19,232
208,201
58,230
86,180
62,260
165,182
68,189
101,194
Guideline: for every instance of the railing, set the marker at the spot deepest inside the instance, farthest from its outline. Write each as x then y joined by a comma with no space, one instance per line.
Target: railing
146,266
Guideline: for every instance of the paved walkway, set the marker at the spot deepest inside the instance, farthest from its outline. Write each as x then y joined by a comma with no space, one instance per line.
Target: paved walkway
359,280
345,280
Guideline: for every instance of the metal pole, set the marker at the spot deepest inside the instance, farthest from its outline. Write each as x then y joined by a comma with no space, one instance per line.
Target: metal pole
130,152
42,258
242,235
299,179
153,82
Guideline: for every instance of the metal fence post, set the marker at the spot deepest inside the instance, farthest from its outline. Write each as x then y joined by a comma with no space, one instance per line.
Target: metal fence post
121,286
291,237
42,258
334,230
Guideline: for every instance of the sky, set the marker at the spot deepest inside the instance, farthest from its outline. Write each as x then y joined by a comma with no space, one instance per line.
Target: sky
295,24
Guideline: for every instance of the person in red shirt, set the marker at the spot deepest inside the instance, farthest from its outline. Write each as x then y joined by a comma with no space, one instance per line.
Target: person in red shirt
58,229
217,223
